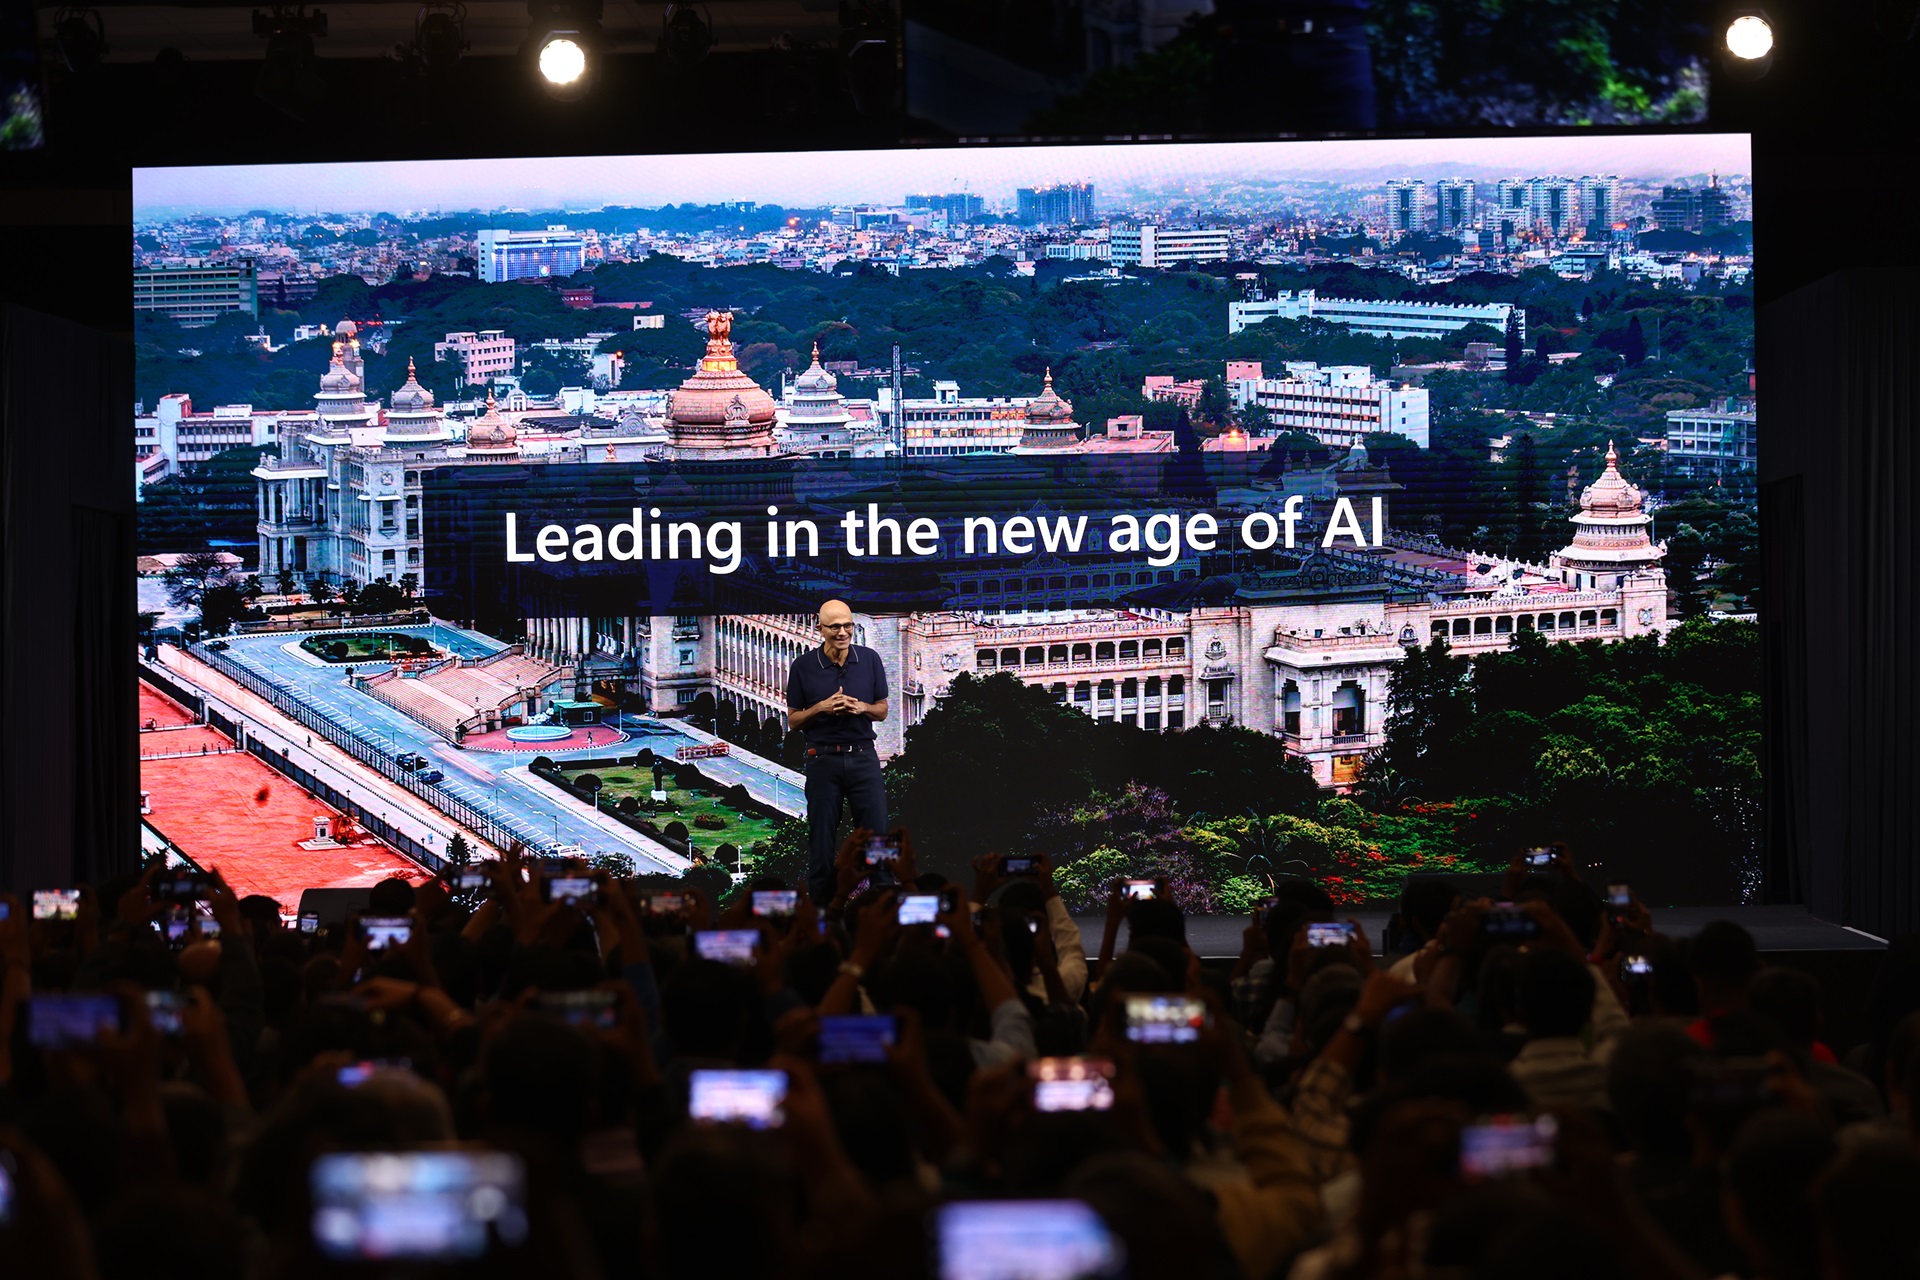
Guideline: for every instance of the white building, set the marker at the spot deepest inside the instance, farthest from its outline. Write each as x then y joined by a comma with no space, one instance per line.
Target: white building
1406,206
198,291
1338,405
1384,319
529,255
1149,245
1713,443
814,419
184,436
1455,209
482,356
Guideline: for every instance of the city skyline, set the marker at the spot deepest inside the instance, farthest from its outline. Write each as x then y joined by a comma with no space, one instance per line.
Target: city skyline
820,178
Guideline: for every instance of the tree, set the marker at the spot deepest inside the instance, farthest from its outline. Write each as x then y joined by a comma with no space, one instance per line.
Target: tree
1634,346
284,581
1429,699
702,713
193,575
459,852
148,620
409,584
727,721
1516,354
350,593
250,588
321,590
219,606
380,597
1141,824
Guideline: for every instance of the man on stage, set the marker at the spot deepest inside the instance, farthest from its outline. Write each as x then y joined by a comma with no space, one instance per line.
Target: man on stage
834,695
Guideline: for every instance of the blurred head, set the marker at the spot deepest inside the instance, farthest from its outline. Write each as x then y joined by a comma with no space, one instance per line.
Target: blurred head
1418,1036
1649,1077
157,1231
1555,994
391,897
1165,1223
725,1184
1296,902
1769,1175
1866,1200
1791,1000
706,1008
263,913
542,1075
1155,918
1723,959
1424,903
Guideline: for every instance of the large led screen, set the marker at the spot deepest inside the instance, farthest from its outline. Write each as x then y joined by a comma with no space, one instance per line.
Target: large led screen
1222,512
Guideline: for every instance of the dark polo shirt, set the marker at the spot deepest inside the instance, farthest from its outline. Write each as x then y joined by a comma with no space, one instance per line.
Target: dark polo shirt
813,678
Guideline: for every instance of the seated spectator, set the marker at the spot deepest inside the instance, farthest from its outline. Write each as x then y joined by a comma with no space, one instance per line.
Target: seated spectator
1723,960
1790,999
1556,1066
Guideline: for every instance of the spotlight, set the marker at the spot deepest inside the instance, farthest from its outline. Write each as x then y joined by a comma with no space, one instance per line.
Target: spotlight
1749,44
288,79
80,37
686,33
440,35
565,45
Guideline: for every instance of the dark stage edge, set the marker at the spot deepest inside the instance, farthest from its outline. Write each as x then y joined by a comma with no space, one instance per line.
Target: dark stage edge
1774,929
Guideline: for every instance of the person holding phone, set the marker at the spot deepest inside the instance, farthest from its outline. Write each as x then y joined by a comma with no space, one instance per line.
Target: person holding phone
835,694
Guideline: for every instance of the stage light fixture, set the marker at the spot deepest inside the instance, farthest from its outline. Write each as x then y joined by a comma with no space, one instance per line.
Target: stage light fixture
440,36
565,45
1750,37
686,33
288,78
80,37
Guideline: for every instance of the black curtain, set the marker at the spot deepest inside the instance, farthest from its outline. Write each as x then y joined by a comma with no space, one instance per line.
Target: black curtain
1840,468
69,759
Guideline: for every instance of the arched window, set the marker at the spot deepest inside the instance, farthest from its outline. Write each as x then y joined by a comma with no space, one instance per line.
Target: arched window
1150,649
1129,651
1103,652
986,660
1349,710
1290,709
1056,653
1009,657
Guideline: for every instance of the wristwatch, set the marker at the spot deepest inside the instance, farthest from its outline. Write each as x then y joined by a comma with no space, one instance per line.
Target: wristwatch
1354,1024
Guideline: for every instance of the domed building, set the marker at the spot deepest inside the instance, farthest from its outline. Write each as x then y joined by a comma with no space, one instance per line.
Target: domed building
814,419
1050,426
341,401
1611,539
491,435
411,416
720,414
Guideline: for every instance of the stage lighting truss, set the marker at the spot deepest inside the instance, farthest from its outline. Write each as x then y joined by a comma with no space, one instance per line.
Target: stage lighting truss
1748,43
565,45
80,37
439,36
686,33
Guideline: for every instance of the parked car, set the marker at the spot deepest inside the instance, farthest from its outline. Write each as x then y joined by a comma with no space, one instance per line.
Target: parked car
218,645
411,760
432,775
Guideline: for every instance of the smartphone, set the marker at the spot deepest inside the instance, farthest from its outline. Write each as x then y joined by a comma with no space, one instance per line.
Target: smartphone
1014,865
1138,890
309,922
775,904
882,849
1071,1084
729,946
417,1206
1024,1240
1500,1146
1633,968
382,932
1509,924
1619,894
666,904
1539,857
919,908
599,1010
71,1021
182,886
856,1038
1166,1019
1330,933
8,1171
6,911
56,904
755,1099
175,927
209,928
355,1074
574,891
467,880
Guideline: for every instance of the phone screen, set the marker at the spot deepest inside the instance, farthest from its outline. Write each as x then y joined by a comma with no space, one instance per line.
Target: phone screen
882,849
572,890
163,1010
753,1098
1539,857
355,1074
846,1039
56,904
467,880
729,946
1012,866
1329,933
919,908
1139,890
1619,895
1499,1146
1024,1240
69,1021
309,922
1165,1019
182,886
425,1206
1635,967
599,1010
666,904
775,903
1071,1084
1509,924
382,932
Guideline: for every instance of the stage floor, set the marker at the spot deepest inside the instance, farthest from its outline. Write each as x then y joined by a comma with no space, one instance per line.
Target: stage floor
1774,929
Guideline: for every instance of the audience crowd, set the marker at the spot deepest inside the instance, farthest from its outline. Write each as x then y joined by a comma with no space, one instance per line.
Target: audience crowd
1542,1084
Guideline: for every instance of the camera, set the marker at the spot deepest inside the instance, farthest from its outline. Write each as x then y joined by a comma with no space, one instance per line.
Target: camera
382,932
728,946
856,1038
1330,933
882,849
572,891
1501,1146
71,1021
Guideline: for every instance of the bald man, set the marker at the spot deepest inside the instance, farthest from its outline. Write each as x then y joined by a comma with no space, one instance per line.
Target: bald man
834,695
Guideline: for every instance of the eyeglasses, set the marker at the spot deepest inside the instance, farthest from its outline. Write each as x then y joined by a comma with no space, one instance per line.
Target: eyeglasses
836,626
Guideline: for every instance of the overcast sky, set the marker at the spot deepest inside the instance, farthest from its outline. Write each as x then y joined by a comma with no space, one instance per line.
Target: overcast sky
817,178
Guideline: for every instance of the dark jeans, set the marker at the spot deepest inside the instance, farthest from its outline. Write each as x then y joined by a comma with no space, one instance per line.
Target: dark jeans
855,778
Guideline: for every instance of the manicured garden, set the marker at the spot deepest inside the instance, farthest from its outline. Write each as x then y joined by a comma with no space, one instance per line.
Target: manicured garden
366,646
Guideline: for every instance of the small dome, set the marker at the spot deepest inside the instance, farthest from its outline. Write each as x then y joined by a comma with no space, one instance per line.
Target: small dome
412,397
338,378
1611,494
1048,406
816,380
345,330
491,433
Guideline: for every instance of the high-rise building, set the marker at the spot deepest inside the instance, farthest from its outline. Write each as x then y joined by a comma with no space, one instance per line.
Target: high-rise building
197,291
1154,246
959,206
1599,202
1061,204
1406,206
1455,210
1554,202
482,356
1703,209
529,255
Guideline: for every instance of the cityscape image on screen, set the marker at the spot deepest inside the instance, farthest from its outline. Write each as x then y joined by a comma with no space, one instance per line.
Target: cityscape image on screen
394,420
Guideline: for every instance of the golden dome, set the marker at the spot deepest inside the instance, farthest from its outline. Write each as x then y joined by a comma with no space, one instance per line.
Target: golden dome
720,407
491,433
1048,407
1611,494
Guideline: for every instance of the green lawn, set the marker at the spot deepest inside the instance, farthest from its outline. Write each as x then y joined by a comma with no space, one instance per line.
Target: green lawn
362,646
742,831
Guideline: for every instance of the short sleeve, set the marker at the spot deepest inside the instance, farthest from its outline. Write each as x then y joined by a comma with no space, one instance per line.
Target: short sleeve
796,696
879,678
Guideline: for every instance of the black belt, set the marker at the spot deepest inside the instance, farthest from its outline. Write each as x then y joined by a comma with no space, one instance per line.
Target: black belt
839,748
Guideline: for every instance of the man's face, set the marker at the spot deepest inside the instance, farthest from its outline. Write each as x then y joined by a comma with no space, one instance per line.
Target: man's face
836,631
